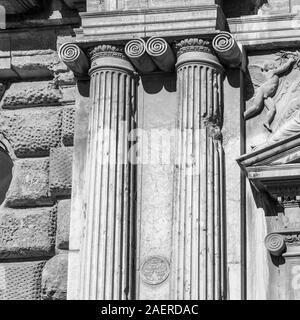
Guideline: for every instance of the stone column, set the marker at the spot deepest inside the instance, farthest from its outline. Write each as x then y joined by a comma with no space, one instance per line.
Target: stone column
198,254
108,237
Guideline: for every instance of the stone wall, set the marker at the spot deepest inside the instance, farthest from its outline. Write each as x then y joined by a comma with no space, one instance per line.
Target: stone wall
37,114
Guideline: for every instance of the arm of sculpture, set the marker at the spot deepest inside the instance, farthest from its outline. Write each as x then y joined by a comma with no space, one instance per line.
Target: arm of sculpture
284,67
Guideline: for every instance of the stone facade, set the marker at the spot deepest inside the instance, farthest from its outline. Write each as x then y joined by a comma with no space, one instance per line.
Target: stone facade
37,132
151,150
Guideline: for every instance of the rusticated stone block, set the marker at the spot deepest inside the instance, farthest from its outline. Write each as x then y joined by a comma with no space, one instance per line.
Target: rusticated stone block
32,64
68,124
63,78
63,224
31,94
54,278
30,184
32,132
61,171
21,280
27,233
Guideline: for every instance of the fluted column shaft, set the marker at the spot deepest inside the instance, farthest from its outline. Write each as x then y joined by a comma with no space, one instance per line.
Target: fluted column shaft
198,255
108,239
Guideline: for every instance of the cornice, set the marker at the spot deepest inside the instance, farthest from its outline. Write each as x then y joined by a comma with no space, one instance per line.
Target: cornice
266,32
149,10
169,22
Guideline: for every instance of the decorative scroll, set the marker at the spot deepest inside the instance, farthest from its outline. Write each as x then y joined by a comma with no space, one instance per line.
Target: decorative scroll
227,49
74,58
275,243
136,52
161,53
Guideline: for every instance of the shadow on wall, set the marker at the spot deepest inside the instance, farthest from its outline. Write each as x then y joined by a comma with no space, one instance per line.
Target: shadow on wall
154,83
6,165
237,8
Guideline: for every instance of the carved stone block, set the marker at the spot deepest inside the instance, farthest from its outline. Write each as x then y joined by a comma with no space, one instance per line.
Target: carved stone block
63,224
32,132
36,63
54,278
21,280
32,94
108,5
68,125
61,171
27,233
30,184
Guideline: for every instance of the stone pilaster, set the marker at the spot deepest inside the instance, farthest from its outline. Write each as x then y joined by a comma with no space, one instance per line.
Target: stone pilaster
198,255
108,244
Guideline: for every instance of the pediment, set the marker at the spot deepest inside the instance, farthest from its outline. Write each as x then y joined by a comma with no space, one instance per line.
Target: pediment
275,168
284,152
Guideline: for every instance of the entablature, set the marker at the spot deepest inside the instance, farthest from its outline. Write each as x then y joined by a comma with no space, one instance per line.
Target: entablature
171,22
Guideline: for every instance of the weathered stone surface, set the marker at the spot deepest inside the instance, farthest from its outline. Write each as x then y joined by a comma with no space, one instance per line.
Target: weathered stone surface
108,5
63,224
27,233
65,78
68,124
21,280
54,278
29,94
36,63
113,25
32,132
30,184
61,171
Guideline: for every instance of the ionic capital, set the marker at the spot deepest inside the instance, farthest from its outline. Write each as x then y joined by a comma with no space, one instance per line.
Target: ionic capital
275,244
195,50
161,53
279,242
228,50
136,52
74,58
109,56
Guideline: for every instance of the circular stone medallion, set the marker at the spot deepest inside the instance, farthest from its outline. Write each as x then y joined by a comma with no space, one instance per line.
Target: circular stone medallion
155,270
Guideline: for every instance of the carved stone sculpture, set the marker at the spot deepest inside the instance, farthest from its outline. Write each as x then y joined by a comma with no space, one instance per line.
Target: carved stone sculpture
268,81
